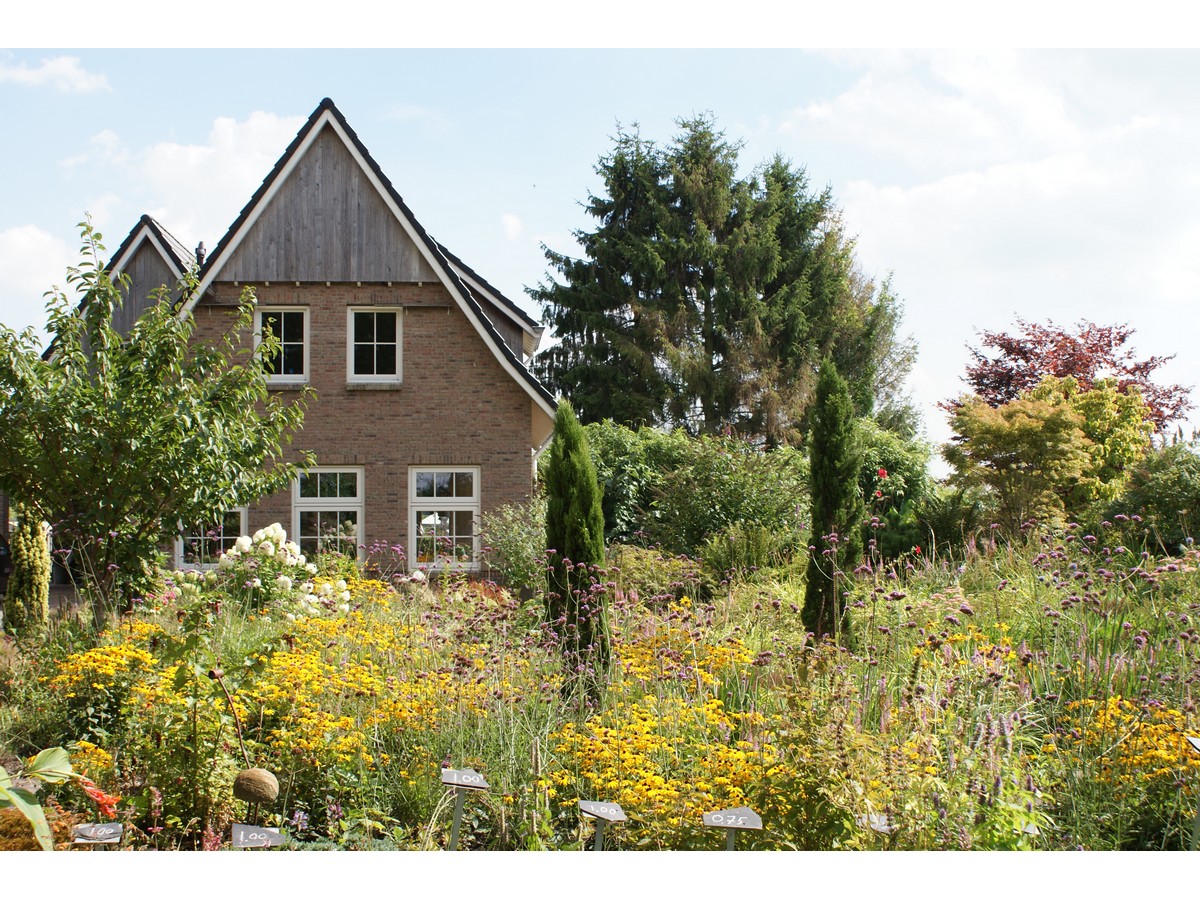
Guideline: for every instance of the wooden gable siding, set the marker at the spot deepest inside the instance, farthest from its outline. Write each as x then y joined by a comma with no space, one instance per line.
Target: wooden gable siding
507,330
327,223
147,272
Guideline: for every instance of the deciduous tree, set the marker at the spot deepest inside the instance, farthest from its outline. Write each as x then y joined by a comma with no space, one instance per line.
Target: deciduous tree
1090,352
118,438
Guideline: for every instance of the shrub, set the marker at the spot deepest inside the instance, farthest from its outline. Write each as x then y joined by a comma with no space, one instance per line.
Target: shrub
1164,490
514,543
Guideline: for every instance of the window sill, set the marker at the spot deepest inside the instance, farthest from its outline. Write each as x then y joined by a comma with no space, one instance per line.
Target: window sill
286,385
374,385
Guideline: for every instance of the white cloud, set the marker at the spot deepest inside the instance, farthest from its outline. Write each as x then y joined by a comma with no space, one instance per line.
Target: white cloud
512,226
27,253
200,188
62,72
103,147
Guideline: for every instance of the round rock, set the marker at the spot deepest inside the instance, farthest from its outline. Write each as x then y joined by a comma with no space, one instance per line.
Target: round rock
256,786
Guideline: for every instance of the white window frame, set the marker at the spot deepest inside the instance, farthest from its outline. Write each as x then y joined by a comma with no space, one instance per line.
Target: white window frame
287,379
354,378
332,504
243,515
450,504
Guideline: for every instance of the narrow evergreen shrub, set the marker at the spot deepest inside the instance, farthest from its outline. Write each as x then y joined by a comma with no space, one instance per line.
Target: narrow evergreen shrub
575,544
837,505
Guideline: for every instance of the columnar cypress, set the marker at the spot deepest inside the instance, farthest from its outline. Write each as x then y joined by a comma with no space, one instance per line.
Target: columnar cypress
27,601
837,505
575,543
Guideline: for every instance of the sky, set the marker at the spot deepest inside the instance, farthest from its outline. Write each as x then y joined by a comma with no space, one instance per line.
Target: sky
987,183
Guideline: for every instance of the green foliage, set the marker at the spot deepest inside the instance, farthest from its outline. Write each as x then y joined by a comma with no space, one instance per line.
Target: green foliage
1025,452
837,505
703,300
52,766
514,539
895,483
575,542
631,466
27,602
655,576
743,548
115,438
1163,492
1051,453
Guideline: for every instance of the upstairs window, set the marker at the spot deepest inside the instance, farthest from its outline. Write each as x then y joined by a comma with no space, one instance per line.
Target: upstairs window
290,327
373,345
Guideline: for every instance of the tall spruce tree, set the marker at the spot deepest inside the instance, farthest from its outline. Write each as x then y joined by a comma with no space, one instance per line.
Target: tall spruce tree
837,504
575,543
704,300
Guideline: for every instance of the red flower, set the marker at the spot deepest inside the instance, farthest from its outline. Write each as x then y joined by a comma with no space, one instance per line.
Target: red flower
917,549
879,493
106,803
882,472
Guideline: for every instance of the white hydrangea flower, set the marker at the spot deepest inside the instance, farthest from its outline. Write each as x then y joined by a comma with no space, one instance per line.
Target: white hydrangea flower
344,607
256,583
228,560
266,548
325,589
341,584
345,596
418,575
311,568
210,576
283,583
259,536
243,544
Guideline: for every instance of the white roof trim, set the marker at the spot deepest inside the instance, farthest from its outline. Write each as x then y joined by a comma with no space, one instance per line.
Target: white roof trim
439,264
145,233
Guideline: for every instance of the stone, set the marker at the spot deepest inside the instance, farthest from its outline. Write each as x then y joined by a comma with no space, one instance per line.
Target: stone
256,786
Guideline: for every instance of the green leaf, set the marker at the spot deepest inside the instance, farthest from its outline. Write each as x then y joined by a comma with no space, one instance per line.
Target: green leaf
32,810
52,765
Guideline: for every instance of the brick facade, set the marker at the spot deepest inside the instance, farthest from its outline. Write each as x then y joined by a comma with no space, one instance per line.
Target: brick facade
455,405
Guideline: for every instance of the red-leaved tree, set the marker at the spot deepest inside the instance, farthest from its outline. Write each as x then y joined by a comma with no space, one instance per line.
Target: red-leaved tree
1033,351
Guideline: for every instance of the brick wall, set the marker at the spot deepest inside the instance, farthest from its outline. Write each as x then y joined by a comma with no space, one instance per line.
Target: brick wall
455,406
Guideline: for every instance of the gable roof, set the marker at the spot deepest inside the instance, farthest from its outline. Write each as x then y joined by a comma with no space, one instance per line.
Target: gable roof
451,272
177,257
533,329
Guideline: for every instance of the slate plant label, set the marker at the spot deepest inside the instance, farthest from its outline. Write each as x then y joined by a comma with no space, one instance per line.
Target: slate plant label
742,817
99,833
257,836
609,812
464,778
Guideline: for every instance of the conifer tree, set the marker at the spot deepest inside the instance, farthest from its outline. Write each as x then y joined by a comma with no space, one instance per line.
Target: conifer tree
837,505
575,543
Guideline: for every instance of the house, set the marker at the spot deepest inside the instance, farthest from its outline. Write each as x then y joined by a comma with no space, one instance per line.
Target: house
425,416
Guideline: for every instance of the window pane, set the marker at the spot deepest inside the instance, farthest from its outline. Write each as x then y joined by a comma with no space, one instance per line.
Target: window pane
309,521
364,359
328,484
385,328
424,484
464,484
385,359
293,327
308,486
364,327
444,481
347,484
293,359
464,524
270,322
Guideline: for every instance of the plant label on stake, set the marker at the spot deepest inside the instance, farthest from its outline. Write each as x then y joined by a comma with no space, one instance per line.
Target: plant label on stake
602,812
733,820
461,781
246,836
98,833
876,822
